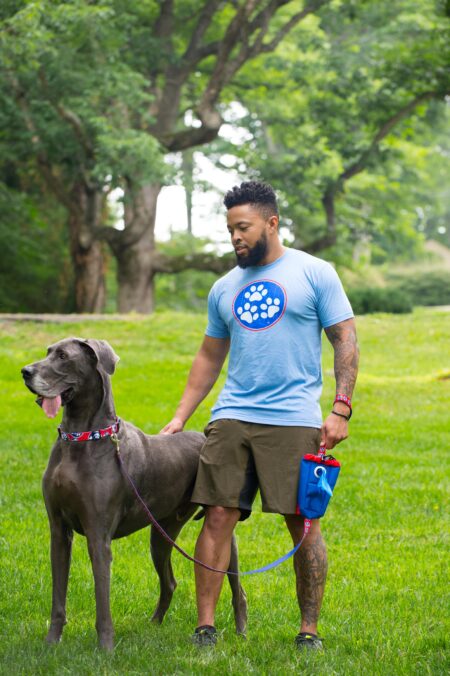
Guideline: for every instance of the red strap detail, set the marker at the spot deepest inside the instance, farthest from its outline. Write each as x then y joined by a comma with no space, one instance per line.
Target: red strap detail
94,435
320,459
344,399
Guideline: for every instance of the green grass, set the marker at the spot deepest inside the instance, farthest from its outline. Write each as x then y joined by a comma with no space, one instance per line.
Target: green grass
386,602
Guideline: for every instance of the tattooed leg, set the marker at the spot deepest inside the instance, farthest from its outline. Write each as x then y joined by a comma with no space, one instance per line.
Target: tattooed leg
310,565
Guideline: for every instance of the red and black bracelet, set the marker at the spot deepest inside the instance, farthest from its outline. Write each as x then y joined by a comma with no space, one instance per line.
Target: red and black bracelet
342,415
344,400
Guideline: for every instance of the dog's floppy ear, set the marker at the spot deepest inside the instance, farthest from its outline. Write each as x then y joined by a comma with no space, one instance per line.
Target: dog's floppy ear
106,357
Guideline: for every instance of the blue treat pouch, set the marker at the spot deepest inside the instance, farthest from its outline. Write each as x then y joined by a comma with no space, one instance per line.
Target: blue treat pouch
318,476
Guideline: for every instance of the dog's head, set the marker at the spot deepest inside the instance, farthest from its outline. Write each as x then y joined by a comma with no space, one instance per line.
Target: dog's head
67,369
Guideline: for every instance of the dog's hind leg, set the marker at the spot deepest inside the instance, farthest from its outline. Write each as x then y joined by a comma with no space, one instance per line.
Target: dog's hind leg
60,552
239,597
161,551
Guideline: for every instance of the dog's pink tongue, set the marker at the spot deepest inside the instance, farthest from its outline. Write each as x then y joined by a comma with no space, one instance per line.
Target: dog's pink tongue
51,406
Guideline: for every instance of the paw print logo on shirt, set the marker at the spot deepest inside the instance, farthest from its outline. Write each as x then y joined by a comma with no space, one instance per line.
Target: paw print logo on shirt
259,305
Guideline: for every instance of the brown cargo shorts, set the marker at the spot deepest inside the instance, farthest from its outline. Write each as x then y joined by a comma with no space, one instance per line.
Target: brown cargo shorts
239,457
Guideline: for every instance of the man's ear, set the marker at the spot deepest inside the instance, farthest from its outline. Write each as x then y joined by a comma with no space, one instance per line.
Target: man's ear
274,223
105,355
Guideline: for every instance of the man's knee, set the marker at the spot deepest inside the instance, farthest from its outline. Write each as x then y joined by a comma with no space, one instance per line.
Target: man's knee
221,520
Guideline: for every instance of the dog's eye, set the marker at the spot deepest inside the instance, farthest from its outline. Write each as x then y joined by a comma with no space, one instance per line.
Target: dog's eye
62,355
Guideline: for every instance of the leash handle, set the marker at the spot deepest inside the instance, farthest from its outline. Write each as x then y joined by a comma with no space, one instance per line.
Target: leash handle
166,536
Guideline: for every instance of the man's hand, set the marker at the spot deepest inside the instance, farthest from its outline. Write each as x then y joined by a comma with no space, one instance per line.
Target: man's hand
174,426
334,430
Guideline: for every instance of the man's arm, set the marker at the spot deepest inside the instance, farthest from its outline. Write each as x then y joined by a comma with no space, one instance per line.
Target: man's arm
342,337
203,374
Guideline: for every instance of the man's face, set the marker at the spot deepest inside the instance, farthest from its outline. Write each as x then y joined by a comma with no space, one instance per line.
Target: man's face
248,229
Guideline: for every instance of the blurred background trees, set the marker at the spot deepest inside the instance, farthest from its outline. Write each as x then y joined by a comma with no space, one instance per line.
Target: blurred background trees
343,107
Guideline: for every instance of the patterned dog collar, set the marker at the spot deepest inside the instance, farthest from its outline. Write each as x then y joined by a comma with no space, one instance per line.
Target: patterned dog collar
95,435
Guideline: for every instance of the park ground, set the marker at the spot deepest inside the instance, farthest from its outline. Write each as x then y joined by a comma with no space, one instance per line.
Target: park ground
386,603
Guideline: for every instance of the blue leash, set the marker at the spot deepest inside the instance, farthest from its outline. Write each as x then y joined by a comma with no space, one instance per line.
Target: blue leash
276,563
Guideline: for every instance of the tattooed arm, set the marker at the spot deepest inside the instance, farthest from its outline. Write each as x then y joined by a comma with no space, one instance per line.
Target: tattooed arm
342,336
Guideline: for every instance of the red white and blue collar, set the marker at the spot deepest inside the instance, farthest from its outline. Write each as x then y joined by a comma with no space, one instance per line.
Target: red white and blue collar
94,435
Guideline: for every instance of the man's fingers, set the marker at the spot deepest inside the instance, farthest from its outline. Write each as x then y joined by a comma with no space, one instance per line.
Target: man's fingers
323,436
167,429
333,432
172,428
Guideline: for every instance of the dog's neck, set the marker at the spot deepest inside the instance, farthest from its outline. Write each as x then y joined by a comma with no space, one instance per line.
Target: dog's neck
92,409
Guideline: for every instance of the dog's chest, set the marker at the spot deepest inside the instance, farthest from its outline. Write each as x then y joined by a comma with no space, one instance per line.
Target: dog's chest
75,481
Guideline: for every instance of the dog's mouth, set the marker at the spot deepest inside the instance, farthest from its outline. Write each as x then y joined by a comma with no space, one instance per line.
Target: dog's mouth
51,405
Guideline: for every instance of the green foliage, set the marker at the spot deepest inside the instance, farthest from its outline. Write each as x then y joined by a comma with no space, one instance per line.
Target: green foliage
427,288
187,290
35,270
81,83
316,106
385,609
72,93
374,299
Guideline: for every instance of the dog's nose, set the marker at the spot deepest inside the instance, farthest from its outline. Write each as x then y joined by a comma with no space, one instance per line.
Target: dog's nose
27,371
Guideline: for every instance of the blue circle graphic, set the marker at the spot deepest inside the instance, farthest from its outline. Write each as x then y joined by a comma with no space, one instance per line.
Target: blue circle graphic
259,305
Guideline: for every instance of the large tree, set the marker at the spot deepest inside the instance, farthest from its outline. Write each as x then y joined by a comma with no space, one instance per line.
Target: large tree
331,106
98,92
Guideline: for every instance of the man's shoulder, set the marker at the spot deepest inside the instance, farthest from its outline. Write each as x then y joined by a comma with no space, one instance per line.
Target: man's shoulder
307,260
313,269
226,279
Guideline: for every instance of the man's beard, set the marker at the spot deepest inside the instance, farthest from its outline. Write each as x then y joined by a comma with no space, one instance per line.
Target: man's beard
255,255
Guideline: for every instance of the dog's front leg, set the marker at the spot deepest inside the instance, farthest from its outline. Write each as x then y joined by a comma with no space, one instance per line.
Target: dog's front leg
99,546
60,552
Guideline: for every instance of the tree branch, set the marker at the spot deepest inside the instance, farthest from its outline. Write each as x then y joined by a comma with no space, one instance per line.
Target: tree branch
384,130
330,237
194,51
194,136
262,21
289,25
240,30
198,261
164,22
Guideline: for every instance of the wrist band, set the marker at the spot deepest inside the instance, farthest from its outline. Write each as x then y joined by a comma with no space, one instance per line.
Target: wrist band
342,415
344,399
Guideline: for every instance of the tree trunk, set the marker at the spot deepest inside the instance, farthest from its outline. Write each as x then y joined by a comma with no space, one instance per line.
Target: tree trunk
86,251
187,166
135,277
134,249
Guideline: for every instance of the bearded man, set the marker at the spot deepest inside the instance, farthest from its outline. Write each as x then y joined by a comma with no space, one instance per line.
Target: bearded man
268,313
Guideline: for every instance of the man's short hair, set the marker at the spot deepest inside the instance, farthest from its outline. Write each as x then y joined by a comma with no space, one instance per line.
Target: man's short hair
257,194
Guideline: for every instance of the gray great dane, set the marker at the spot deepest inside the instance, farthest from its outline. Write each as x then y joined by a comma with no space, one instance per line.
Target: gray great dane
84,490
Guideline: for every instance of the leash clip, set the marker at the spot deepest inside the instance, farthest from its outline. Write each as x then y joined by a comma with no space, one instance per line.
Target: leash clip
115,440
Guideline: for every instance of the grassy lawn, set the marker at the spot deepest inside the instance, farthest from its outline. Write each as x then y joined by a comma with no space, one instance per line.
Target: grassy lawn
386,603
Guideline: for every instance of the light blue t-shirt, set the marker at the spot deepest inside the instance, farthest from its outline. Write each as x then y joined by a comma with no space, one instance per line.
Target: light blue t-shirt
274,315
